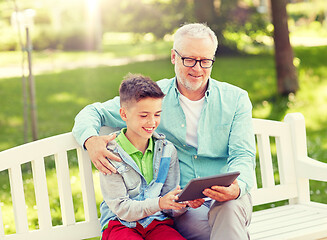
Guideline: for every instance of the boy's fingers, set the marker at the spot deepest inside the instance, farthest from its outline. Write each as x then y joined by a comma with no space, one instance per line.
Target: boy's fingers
176,191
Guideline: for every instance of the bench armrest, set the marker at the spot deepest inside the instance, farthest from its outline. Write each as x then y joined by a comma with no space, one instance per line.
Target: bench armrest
312,169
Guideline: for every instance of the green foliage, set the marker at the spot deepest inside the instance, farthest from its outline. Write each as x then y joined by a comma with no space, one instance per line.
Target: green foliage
241,32
8,39
45,38
313,10
157,17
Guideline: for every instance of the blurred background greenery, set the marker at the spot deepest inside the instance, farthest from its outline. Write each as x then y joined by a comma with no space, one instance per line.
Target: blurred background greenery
81,51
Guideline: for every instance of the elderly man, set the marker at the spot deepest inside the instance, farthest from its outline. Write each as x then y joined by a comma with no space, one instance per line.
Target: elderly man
210,124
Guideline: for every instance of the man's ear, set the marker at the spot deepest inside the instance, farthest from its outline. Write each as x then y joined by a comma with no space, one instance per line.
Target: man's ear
122,112
172,56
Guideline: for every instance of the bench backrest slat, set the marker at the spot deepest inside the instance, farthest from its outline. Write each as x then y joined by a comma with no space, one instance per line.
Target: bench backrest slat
85,170
64,187
18,199
41,193
2,227
285,157
266,166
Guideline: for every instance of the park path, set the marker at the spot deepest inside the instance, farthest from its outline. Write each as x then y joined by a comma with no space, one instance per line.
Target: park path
57,66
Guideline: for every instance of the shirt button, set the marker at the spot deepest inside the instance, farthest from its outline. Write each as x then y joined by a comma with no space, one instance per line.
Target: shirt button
182,125
195,156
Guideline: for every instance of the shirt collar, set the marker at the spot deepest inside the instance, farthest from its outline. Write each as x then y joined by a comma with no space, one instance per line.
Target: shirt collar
207,93
128,147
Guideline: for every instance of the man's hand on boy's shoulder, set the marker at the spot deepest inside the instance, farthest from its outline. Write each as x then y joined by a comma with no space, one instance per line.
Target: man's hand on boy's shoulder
96,146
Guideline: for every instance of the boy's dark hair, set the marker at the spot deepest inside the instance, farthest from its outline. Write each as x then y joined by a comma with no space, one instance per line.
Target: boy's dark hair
135,87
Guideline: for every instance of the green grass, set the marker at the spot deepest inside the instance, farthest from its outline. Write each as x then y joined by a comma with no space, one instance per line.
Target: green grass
61,95
115,45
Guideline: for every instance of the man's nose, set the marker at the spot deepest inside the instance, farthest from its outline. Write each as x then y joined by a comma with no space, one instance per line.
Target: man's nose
197,66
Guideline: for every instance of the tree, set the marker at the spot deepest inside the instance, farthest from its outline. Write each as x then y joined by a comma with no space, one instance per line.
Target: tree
286,72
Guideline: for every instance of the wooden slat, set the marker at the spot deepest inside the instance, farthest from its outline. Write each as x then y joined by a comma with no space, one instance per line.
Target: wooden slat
80,230
298,228
2,230
273,194
44,147
285,159
41,194
286,222
85,169
269,127
64,186
18,199
266,167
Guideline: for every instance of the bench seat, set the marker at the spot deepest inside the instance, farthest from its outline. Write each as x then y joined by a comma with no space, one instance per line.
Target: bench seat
300,221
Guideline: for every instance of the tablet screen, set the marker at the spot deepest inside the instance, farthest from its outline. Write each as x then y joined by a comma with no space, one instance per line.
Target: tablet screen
194,188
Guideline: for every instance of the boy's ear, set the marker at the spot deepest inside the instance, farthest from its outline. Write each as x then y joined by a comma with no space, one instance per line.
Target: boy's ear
122,112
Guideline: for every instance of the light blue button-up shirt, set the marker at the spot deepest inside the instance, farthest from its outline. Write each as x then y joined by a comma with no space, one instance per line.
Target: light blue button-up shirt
225,132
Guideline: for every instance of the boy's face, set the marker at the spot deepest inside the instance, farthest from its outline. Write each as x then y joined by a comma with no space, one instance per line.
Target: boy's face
141,118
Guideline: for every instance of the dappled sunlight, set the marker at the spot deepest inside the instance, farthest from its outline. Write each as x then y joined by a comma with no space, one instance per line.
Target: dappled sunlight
262,110
14,121
65,97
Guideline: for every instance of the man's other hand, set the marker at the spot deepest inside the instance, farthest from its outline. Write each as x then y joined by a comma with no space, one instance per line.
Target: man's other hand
223,194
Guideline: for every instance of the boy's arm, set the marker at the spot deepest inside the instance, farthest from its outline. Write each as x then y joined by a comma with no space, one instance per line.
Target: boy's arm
116,197
172,181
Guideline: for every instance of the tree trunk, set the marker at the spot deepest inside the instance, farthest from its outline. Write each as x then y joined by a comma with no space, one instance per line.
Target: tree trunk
286,72
216,17
204,11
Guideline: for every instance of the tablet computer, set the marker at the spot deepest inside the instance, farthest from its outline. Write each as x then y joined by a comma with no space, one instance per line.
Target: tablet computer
194,188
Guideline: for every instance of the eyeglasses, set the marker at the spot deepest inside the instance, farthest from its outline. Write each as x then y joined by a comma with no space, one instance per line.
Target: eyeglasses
191,62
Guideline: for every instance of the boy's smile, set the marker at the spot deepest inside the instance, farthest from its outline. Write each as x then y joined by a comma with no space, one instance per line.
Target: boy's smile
142,119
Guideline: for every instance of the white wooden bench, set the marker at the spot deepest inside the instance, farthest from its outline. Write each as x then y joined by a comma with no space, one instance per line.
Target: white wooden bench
300,219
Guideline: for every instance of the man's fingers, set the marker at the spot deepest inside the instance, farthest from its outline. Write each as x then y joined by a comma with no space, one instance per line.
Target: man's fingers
111,156
98,164
108,167
214,194
110,137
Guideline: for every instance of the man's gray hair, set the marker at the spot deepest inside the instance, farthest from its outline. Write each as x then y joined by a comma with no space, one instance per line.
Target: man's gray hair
194,30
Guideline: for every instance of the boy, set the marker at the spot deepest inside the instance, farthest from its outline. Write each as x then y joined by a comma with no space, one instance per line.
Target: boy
146,184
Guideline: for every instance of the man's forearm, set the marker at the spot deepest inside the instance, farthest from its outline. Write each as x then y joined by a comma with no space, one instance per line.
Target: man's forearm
91,118
85,125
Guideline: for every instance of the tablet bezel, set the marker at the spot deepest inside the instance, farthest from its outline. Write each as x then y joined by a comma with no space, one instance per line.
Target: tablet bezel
194,188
